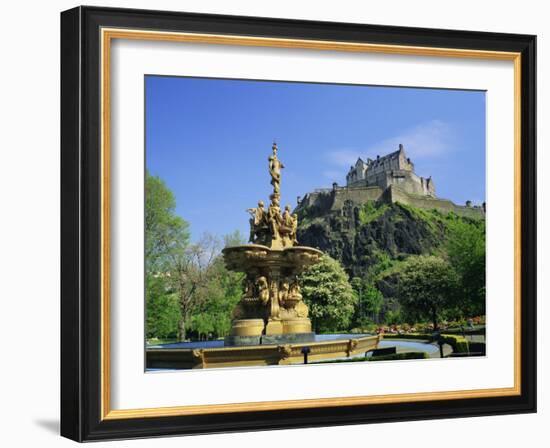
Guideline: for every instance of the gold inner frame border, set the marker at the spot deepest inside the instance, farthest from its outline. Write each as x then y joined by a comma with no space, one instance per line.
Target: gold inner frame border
107,35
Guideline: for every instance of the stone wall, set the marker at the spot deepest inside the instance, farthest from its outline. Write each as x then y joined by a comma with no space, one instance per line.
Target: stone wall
395,194
325,201
358,195
316,200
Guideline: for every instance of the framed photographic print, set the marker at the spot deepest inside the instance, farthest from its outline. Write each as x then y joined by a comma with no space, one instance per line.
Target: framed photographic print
274,223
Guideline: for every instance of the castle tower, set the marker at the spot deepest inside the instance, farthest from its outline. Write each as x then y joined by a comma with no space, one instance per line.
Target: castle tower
394,168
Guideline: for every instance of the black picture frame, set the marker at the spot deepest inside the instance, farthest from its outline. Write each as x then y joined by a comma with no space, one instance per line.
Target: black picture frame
81,224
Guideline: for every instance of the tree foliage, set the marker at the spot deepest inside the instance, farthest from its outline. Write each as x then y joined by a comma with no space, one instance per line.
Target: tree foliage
165,235
162,307
369,300
192,270
188,288
426,287
213,318
223,290
180,275
466,251
329,296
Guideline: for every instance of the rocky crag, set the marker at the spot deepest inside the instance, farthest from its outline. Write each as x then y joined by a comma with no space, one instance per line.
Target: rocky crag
362,234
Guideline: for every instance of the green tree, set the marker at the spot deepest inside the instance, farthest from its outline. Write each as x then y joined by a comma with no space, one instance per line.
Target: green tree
187,284
426,287
466,250
369,298
223,292
162,307
165,234
394,317
329,295
213,318
235,238
192,270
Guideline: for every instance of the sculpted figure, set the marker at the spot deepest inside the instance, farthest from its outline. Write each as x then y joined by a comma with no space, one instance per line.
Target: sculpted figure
257,220
249,289
287,224
275,310
275,167
283,292
263,289
301,309
248,299
294,229
274,216
294,290
287,217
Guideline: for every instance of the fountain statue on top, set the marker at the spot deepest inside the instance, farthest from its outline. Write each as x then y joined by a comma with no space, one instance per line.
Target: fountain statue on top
271,310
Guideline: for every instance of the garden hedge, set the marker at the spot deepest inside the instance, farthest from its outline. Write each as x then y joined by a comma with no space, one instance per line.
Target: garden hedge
457,342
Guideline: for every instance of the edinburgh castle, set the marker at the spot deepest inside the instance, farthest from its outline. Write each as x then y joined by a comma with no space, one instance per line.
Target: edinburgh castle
387,179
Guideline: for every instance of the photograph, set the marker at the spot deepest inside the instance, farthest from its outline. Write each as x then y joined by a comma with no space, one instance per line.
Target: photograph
292,223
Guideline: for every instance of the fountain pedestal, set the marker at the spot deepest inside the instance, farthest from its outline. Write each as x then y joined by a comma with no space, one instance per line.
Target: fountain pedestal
273,327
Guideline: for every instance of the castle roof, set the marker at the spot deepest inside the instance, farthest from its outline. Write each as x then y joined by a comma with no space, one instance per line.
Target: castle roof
370,163
390,156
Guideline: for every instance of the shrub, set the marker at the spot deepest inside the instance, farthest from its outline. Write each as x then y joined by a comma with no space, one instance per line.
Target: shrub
477,330
420,336
458,343
393,357
368,328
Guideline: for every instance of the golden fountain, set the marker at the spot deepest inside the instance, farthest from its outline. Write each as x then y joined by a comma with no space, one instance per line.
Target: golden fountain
271,309
270,324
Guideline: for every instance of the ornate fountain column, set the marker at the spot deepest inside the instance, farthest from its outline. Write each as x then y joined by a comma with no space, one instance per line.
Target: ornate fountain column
271,310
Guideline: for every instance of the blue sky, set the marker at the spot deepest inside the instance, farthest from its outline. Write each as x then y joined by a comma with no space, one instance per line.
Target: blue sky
209,140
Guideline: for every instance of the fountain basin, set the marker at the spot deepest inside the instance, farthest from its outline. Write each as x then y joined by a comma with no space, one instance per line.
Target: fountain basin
213,354
256,257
